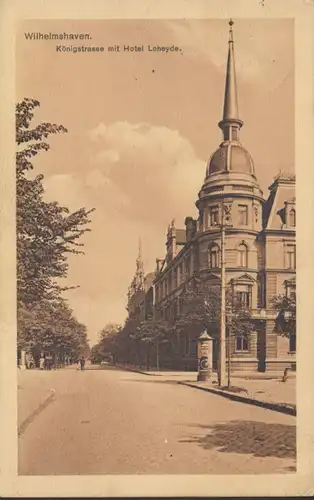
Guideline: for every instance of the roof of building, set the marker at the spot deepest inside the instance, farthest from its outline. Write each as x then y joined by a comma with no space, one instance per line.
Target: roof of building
148,280
231,157
281,191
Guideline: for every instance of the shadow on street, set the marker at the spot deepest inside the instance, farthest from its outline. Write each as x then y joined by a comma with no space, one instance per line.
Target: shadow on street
257,438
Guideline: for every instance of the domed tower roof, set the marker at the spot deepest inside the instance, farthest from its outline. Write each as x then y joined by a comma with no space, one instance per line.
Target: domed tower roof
231,156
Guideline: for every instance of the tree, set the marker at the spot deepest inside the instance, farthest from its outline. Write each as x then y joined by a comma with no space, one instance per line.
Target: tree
151,332
109,332
46,234
106,345
51,327
201,311
287,310
46,231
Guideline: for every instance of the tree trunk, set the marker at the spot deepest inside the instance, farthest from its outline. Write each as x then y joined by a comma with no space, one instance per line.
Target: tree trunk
157,355
148,357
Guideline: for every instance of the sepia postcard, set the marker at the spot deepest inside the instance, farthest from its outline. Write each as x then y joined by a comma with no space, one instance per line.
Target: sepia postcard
156,303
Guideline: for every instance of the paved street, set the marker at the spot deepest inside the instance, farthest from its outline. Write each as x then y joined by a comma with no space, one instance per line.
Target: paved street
109,421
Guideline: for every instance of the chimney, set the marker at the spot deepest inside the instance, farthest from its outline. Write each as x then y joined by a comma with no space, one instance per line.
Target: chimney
190,228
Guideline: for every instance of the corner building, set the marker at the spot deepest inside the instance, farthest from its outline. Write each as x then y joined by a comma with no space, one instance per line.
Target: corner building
260,251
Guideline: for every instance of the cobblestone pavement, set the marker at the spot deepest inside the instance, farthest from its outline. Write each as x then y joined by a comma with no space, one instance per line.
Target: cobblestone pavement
110,421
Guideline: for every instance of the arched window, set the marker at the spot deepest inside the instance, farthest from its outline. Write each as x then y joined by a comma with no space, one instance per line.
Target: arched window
214,256
292,217
242,255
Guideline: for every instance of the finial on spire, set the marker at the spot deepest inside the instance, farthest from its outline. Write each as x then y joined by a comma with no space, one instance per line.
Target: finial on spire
231,23
230,123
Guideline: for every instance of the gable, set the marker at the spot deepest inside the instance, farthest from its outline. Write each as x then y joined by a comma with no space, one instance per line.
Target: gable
245,278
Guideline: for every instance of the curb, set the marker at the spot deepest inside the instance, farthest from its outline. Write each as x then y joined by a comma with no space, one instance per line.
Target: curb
37,411
136,371
256,402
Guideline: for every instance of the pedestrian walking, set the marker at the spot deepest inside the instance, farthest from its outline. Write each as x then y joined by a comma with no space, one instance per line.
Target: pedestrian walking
82,362
42,362
49,362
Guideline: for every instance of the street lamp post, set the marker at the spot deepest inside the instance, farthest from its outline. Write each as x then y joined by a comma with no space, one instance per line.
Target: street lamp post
225,208
222,349
229,351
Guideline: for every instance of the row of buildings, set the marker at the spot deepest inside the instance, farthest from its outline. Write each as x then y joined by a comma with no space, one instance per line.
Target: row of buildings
260,249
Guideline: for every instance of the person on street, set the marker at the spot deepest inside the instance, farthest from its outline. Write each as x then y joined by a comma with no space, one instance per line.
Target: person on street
42,362
82,362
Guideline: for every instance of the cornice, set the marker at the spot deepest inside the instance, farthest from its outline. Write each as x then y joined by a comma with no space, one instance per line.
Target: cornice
270,232
228,231
228,194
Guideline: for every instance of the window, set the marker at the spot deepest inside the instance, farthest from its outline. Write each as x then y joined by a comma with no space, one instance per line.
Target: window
181,277
234,132
243,295
169,283
290,257
242,343
178,274
214,256
244,298
242,255
292,342
214,216
175,311
243,215
187,266
179,308
290,286
292,217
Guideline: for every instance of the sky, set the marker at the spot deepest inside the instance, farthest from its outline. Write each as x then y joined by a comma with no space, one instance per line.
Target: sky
141,129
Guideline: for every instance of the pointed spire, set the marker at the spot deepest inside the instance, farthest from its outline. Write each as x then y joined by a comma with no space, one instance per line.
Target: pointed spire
139,249
230,123
139,273
231,98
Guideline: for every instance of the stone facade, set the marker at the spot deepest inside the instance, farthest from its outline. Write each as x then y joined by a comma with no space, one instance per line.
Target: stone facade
259,243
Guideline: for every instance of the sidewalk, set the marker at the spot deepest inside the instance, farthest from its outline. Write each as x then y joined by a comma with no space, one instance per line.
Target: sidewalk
34,394
261,389
271,394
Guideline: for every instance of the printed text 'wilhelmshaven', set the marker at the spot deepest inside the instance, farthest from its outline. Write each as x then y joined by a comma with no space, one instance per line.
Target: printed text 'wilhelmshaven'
57,36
